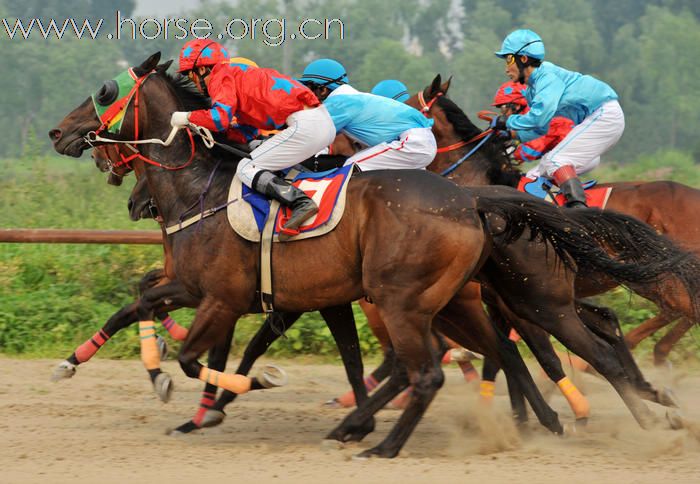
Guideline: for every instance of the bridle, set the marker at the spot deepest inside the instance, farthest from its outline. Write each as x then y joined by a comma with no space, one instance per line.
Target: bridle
119,108
481,137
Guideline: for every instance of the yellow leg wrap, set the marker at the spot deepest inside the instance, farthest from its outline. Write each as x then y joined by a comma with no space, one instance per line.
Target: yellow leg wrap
579,404
486,389
149,348
231,382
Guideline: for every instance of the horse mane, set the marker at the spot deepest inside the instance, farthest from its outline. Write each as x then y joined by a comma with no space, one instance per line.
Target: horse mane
491,157
187,92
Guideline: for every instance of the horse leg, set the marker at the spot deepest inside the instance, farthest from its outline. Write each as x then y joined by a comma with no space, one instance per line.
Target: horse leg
206,416
482,336
664,345
604,323
538,341
413,343
563,323
213,321
376,325
341,322
274,326
118,321
365,411
647,328
159,299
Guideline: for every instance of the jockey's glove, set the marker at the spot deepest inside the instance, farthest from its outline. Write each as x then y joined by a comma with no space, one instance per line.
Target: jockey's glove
180,119
499,123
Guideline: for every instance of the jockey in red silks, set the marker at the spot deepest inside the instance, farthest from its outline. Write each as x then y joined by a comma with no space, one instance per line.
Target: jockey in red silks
510,98
264,99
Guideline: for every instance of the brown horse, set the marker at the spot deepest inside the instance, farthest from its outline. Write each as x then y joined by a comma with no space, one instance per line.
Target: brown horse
384,247
667,206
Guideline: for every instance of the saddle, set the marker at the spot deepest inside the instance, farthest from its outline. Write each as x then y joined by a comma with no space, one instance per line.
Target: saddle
249,211
544,189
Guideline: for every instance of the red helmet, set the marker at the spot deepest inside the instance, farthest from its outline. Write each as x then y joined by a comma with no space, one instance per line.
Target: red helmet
201,52
510,93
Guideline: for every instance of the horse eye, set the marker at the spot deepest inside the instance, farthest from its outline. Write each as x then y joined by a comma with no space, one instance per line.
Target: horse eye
107,93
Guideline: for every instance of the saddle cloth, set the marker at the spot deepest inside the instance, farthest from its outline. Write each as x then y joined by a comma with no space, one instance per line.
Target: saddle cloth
248,210
544,189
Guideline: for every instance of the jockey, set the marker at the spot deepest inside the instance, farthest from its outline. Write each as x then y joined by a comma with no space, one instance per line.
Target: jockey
553,91
510,99
264,99
392,89
395,135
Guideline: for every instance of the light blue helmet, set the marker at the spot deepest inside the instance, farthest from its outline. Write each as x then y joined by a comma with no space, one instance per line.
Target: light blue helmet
325,72
522,42
392,89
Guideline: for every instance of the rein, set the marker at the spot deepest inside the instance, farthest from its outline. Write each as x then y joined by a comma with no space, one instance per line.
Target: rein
483,136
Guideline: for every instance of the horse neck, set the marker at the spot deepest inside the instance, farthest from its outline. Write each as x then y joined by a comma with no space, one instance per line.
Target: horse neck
468,173
174,191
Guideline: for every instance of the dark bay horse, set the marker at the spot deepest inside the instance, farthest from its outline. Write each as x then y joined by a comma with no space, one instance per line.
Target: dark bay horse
667,206
384,248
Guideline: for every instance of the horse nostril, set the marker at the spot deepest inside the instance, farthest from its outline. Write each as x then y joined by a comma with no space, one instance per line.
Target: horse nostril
55,134
130,204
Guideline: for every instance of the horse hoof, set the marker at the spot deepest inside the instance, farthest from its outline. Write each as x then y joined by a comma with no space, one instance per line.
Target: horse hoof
63,371
162,348
163,385
463,355
668,398
675,420
332,403
212,418
184,429
271,376
330,444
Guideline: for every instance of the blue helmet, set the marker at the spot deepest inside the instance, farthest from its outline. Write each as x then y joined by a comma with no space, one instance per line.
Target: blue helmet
522,42
325,72
392,89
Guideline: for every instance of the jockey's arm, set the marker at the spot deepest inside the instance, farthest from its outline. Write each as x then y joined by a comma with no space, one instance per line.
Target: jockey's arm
543,106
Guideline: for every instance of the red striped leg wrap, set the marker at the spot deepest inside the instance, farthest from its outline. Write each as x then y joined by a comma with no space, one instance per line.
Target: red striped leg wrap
88,349
206,403
176,331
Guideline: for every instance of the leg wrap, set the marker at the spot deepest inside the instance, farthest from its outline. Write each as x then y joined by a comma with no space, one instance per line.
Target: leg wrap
486,389
150,355
176,331
468,370
206,403
579,404
88,349
231,382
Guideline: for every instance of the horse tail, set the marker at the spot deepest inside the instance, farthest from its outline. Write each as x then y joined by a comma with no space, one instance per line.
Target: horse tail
591,240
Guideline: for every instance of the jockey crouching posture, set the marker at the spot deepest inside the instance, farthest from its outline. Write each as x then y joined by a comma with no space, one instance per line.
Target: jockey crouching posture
264,99
553,91
397,136
510,99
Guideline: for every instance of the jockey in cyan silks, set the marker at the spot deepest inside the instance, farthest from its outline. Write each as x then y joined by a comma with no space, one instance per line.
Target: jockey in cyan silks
553,91
395,135
392,89
265,99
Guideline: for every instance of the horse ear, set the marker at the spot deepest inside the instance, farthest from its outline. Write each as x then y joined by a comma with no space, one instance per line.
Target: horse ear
148,65
446,86
435,86
161,68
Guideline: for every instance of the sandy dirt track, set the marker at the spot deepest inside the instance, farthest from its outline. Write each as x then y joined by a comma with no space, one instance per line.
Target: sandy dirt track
106,426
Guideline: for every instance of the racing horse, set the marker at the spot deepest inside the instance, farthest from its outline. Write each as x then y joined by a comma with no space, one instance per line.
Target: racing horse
394,220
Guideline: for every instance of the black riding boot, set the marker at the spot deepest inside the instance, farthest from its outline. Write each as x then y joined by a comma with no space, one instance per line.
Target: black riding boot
574,193
303,208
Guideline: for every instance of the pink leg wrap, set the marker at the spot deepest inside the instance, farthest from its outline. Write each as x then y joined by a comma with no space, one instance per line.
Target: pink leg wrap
176,331
88,349
205,404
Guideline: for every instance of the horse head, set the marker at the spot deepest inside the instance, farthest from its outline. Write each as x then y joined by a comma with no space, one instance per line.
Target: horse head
112,117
